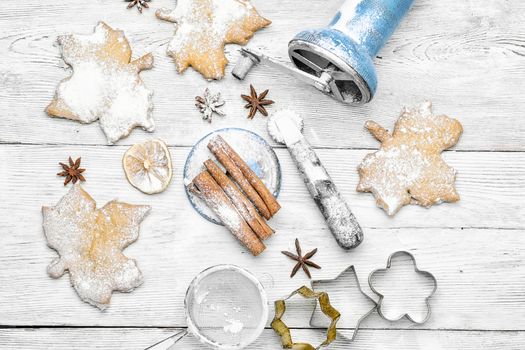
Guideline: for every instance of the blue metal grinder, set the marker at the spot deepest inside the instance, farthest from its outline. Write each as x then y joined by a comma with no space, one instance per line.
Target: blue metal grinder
338,59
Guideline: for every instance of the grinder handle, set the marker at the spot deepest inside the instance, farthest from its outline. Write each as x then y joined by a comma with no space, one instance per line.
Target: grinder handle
338,216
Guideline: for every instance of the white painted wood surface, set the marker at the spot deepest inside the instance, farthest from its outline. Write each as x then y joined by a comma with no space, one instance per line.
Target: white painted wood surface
465,56
372,339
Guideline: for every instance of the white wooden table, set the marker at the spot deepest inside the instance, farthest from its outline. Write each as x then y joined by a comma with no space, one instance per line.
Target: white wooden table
467,57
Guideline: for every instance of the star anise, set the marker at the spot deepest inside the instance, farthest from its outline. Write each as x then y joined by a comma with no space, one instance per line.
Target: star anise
256,103
302,261
209,104
72,172
139,3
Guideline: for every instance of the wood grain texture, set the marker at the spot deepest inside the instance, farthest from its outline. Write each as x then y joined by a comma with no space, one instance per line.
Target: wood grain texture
481,288
478,267
139,338
465,56
488,183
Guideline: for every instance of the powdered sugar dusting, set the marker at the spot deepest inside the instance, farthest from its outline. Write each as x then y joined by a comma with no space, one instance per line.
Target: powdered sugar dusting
250,147
207,189
104,84
408,168
213,17
202,29
89,243
340,219
286,125
233,326
272,128
229,215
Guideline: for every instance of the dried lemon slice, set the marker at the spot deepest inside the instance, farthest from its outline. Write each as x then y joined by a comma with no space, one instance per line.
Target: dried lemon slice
148,166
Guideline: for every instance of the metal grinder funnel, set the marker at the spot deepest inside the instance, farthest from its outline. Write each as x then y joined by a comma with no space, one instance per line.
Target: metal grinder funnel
338,59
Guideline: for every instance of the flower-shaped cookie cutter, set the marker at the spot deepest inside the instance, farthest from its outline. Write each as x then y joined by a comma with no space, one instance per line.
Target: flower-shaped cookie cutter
316,285
381,296
284,332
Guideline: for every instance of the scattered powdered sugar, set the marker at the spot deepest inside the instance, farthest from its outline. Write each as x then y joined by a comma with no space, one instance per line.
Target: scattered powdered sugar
205,188
82,94
99,37
234,310
131,105
202,29
213,17
102,86
408,168
89,243
340,219
273,130
337,213
233,326
226,12
251,148
228,215
403,165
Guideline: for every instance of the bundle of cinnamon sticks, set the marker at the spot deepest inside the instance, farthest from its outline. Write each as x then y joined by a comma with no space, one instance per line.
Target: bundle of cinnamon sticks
241,200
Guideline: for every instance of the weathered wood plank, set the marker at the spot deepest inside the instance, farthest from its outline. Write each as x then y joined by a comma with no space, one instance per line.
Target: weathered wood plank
488,184
466,57
138,339
479,288
479,269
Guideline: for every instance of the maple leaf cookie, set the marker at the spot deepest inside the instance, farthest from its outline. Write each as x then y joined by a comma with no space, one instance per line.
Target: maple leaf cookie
408,169
105,83
203,27
89,242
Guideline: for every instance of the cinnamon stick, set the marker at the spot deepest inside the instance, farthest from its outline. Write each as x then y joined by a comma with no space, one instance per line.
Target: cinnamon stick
239,200
237,175
206,188
245,177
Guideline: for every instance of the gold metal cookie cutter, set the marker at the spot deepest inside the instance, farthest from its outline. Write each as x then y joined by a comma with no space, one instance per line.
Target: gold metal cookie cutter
324,303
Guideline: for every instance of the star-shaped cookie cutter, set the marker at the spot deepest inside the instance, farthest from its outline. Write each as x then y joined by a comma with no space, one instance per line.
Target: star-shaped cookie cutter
381,296
377,305
349,269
